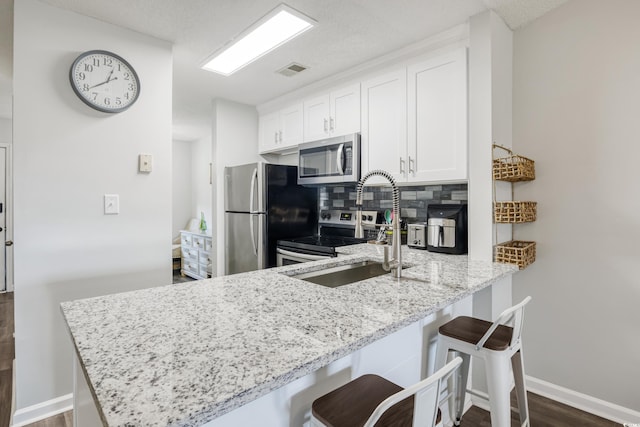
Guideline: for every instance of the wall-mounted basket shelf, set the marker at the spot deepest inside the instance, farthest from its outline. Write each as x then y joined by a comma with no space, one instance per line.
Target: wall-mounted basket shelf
512,212
516,252
514,168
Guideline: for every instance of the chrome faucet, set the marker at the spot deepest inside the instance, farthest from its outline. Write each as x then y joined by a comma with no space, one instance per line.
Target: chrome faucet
395,264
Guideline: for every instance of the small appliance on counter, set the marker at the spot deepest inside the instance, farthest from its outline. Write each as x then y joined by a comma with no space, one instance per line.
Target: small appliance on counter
447,229
417,235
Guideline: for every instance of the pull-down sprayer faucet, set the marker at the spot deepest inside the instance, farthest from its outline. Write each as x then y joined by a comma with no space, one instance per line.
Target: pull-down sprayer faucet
395,264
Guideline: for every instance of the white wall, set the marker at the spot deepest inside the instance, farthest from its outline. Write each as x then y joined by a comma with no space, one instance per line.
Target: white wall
201,180
5,130
576,91
235,142
66,157
181,186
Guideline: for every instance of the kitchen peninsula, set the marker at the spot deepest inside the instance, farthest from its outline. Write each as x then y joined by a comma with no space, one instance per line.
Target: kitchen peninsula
191,354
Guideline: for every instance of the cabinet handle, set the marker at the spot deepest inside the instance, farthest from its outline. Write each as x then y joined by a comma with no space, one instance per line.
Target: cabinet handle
401,165
275,137
331,123
326,124
412,170
280,136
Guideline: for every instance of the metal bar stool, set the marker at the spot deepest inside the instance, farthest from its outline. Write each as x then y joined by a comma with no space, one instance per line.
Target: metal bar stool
371,400
496,343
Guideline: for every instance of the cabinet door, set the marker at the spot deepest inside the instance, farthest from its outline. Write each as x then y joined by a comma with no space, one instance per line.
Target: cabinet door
290,126
384,125
437,131
316,118
269,125
345,110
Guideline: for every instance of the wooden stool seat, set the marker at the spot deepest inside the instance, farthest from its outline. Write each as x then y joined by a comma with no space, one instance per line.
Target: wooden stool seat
352,404
373,401
471,330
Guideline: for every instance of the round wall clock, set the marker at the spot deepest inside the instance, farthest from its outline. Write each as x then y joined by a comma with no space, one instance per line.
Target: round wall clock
104,81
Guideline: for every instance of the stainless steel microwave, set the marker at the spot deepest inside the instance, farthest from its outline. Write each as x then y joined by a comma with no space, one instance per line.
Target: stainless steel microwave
330,161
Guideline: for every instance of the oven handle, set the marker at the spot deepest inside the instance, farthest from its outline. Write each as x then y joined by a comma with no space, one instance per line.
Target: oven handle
303,256
340,159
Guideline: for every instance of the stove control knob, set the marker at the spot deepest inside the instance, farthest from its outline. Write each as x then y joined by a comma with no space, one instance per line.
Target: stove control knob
328,215
369,218
364,217
325,215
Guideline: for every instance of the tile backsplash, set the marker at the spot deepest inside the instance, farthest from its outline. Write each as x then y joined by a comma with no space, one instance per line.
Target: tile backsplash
413,199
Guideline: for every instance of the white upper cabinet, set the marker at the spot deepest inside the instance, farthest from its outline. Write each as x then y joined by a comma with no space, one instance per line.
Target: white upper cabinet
332,114
281,130
437,118
384,125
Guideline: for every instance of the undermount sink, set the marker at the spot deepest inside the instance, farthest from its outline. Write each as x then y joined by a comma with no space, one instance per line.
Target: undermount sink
344,274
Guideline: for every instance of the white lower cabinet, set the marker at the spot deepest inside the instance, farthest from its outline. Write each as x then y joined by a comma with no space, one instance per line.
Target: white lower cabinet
414,121
196,254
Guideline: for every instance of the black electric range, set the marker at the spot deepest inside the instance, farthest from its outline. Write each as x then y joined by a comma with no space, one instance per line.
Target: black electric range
318,245
336,229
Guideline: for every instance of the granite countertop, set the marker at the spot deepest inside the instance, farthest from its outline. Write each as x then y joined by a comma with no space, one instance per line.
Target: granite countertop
182,355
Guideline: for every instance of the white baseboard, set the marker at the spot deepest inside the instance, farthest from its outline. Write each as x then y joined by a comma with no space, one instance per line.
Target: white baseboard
40,411
586,403
583,402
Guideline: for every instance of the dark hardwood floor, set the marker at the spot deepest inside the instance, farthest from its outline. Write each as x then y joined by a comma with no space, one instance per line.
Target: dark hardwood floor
7,351
544,412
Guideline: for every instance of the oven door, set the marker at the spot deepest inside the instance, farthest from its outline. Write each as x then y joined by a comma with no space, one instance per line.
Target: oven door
286,257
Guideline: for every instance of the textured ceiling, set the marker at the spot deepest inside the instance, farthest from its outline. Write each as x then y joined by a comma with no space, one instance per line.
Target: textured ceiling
349,32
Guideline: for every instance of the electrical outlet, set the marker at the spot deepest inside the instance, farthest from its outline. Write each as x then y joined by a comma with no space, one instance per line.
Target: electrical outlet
111,204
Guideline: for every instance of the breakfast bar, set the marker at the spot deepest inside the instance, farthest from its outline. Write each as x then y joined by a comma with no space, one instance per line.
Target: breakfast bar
200,353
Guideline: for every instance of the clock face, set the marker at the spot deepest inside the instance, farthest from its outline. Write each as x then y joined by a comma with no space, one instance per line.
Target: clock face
104,81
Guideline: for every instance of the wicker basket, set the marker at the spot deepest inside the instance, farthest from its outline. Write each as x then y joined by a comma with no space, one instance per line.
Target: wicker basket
514,212
513,167
516,252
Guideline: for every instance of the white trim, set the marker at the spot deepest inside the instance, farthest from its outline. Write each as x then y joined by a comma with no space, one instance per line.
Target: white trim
595,406
40,411
9,215
583,402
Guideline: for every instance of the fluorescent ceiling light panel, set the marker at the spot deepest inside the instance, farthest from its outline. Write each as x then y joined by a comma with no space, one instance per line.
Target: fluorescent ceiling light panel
274,29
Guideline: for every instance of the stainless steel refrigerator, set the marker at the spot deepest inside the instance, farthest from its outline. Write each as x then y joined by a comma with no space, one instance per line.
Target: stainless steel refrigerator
264,203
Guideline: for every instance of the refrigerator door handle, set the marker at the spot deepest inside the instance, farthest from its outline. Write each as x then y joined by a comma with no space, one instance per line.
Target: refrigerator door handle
254,178
340,159
254,245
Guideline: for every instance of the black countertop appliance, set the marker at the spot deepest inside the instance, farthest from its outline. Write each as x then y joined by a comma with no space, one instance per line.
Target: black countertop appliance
447,229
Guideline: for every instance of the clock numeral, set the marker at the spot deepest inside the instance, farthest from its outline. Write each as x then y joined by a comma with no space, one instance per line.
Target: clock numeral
118,101
126,76
81,75
108,61
96,62
126,95
131,86
85,87
88,67
107,101
94,95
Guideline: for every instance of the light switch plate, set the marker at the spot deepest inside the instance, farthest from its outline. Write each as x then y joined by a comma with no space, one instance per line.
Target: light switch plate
111,204
145,162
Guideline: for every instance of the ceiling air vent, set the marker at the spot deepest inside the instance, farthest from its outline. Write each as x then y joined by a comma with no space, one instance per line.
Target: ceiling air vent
292,69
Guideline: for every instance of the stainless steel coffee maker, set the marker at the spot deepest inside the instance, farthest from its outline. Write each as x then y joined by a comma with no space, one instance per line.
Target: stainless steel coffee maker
447,229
